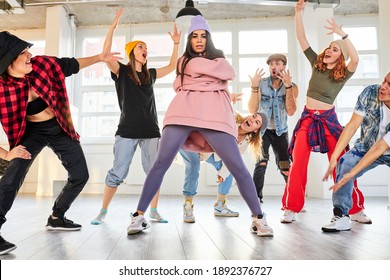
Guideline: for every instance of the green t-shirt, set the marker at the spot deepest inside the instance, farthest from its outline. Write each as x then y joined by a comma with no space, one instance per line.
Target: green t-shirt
321,86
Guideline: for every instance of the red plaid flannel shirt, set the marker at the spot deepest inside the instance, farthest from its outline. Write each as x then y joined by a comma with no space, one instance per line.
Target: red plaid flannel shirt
48,81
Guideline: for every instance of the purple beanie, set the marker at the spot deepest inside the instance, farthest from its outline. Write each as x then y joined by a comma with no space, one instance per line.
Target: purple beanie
198,23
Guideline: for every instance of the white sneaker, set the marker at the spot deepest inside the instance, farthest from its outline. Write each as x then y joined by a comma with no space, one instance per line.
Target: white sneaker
221,210
188,212
361,217
288,217
338,224
137,224
260,227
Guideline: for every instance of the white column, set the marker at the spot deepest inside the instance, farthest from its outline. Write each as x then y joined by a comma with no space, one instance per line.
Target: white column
60,38
384,47
314,22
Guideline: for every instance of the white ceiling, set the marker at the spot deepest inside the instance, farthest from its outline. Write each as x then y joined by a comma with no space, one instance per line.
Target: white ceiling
101,12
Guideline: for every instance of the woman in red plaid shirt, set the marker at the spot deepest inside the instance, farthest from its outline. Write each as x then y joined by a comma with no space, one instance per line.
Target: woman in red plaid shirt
35,113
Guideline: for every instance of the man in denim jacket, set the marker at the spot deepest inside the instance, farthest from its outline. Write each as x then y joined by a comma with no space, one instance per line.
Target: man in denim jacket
276,97
372,115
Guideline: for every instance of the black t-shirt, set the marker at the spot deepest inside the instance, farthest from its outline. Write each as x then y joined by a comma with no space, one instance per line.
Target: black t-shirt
138,117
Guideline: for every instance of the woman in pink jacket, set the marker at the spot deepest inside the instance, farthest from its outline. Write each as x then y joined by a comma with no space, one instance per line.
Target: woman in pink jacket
201,119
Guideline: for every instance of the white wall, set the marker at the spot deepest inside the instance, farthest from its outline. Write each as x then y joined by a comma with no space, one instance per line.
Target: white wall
47,169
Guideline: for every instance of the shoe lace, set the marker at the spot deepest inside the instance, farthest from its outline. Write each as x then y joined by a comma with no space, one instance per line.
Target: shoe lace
334,219
67,221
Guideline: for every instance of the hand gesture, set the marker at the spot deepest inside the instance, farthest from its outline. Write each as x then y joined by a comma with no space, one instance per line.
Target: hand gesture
107,56
300,5
347,177
334,28
329,172
285,76
116,19
234,97
255,80
176,35
18,152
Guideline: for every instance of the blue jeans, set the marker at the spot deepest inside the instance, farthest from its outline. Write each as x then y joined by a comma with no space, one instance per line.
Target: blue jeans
124,150
342,199
192,163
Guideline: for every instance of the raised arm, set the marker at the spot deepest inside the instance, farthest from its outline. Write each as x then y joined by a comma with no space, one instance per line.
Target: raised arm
255,97
105,56
163,71
337,29
299,28
111,59
346,136
112,65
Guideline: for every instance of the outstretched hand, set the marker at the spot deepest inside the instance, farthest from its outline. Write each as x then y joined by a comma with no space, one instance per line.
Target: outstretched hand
300,5
176,35
117,17
334,28
346,178
285,76
256,78
329,172
234,97
107,56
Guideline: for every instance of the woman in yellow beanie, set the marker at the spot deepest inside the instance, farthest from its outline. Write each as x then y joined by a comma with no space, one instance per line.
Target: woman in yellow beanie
138,123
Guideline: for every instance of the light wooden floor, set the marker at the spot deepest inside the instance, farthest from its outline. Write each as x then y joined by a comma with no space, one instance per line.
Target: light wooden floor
210,238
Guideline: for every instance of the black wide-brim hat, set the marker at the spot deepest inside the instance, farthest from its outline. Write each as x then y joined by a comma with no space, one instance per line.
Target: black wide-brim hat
10,47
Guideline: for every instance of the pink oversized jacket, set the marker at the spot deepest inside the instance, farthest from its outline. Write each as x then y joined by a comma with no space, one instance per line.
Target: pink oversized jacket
203,100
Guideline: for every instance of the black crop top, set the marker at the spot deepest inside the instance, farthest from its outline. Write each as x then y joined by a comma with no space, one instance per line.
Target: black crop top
36,106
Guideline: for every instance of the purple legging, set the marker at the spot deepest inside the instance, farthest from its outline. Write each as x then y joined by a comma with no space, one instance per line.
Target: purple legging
225,145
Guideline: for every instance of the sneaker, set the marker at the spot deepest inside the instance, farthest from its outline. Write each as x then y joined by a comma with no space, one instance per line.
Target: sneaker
61,224
155,216
221,210
188,212
5,246
288,217
260,227
100,217
361,217
137,224
338,224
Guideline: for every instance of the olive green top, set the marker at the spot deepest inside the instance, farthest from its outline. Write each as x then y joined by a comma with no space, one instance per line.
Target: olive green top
321,86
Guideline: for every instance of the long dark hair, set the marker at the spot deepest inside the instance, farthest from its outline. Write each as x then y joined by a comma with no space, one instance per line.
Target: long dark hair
211,52
145,77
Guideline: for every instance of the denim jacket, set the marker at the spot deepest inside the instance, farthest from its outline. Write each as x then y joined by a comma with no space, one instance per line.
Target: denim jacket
368,103
276,99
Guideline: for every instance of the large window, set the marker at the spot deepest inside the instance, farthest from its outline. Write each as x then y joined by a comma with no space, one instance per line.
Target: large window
366,43
254,55
98,106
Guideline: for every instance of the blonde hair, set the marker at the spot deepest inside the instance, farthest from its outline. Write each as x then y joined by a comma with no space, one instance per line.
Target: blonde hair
255,140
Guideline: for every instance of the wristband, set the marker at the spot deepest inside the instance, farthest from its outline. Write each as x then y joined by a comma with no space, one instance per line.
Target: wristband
344,37
288,87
